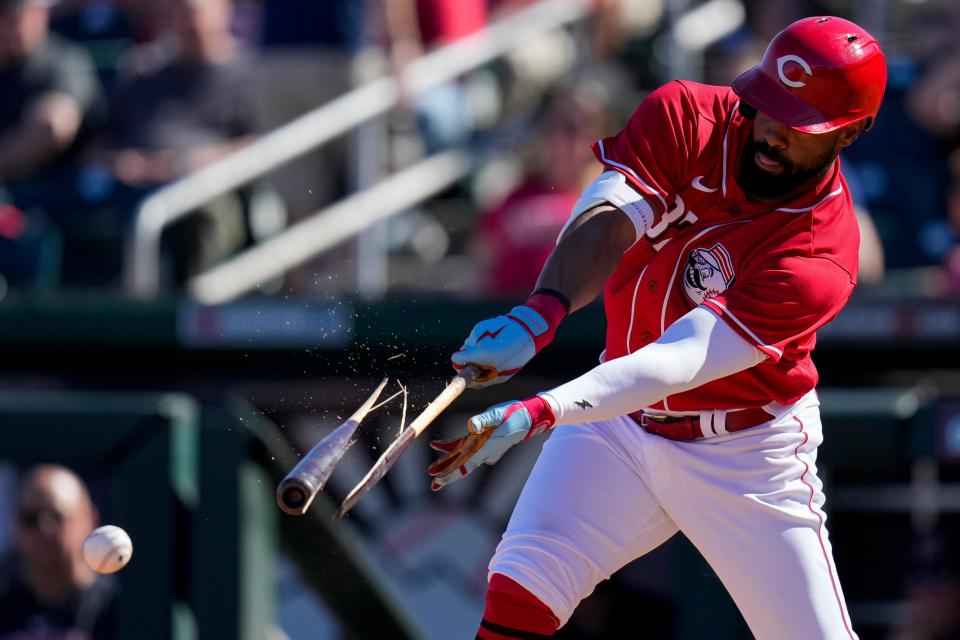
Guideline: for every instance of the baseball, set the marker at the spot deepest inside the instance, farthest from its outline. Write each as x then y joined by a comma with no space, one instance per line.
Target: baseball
107,549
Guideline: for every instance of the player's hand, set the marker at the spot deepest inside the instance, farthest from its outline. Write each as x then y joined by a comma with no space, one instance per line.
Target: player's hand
491,433
501,346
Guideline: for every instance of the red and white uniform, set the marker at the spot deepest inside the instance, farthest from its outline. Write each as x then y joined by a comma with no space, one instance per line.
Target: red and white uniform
605,491
775,273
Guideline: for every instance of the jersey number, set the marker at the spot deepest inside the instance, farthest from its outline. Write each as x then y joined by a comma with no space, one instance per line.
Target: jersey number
677,216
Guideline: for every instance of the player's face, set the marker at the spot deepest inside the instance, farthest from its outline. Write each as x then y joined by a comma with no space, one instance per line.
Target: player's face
778,161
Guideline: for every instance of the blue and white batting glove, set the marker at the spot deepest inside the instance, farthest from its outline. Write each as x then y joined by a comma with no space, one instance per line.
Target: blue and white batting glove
491,434
501,346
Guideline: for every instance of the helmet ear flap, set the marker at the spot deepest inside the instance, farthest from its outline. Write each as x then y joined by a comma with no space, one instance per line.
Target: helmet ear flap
747,111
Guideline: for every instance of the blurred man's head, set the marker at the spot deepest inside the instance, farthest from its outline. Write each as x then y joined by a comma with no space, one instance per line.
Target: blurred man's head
54,516
201,26
23,27
569,125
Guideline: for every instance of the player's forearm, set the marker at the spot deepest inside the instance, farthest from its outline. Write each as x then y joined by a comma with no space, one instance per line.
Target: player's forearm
587,254
696,349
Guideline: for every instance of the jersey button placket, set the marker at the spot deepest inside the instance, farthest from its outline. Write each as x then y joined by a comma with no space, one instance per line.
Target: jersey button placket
646,336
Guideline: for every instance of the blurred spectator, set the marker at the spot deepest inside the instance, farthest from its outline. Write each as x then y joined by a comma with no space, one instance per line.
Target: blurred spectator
516,237
416,27
952,263
52,594
51,102
183,103
50,94
934,102
309,56
311,53
101,27
731,56
871,254
90,20
933,592
766,18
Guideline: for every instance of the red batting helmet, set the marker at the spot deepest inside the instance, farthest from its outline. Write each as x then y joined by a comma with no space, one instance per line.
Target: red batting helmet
817,75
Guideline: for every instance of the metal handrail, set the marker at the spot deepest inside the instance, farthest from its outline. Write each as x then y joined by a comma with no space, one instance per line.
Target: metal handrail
306,133
328,228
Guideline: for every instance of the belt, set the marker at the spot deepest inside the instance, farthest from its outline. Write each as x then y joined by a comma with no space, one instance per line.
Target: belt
691,428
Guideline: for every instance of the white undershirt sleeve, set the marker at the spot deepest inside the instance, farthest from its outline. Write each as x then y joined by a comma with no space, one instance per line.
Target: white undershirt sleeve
697,348
611,187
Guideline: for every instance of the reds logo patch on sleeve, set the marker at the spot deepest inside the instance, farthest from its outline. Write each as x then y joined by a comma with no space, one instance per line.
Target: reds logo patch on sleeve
709,272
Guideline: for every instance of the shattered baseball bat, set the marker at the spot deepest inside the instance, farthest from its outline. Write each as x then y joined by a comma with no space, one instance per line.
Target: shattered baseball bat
393,452
296,491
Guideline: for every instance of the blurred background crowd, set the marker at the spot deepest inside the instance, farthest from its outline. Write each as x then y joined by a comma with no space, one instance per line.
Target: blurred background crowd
108,106
105,101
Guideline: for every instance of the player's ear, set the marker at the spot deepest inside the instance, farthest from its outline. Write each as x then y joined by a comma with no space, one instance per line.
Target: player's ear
850,133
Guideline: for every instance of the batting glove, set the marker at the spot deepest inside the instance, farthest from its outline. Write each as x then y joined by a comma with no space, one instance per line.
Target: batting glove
501,346
491,434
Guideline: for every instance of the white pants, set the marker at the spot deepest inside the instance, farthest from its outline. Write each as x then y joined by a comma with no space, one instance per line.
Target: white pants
606,493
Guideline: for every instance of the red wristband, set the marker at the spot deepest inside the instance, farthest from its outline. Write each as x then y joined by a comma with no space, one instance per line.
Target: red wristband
550,307
541,415
553,311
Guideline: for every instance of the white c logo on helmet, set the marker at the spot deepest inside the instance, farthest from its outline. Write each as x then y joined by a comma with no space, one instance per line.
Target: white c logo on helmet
782,60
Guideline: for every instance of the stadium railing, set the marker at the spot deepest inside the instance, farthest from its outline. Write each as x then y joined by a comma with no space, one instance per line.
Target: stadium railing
325,123
690,33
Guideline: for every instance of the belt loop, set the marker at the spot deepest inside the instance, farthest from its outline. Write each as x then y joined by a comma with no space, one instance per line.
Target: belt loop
720,422
713,423
706,419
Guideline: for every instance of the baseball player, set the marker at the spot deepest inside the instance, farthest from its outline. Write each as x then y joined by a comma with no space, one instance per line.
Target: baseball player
722,235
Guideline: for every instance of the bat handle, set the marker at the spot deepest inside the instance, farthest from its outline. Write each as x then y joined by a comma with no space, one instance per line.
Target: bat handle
474,372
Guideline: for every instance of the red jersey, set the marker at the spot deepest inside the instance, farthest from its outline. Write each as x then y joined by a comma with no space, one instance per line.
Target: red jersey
519,234
774,272
445,21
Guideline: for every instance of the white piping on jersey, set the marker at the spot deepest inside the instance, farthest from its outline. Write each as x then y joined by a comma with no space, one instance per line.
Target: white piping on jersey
747,329
673,277
723,182
699,186
633,305
650,190
836,192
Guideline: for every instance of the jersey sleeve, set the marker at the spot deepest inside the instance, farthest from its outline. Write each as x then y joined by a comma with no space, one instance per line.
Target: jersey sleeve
656,147
779,306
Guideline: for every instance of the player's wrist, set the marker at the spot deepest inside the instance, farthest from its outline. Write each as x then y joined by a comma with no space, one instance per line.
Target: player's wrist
549,298
542,417
542,313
